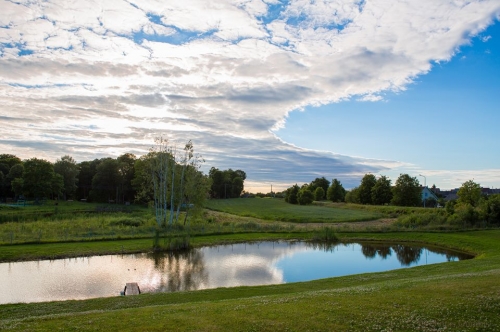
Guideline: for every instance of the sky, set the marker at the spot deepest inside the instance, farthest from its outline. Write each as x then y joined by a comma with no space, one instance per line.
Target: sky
285,90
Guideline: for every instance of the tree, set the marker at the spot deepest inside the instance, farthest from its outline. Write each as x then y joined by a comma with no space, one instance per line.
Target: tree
87,171
7,162
106,181
381,191
173,177
365,188
319,194
38,178
319,183
406,191
469,193
227,183
305,196
126,163
68,169
142,181
291,194
352,196
336,192
492,209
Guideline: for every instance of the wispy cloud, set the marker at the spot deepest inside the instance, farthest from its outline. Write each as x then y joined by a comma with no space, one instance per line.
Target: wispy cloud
105,77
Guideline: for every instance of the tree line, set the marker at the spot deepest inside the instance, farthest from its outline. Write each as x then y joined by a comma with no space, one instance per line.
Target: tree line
405,192
122,179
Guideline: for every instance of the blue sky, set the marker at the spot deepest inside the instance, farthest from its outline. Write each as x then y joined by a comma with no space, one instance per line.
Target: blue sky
286,90
446,120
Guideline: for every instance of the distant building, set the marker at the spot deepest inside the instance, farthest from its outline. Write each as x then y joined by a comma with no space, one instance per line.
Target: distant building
453,193
428,194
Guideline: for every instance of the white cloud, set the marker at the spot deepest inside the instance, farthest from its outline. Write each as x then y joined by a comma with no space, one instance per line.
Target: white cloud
225,72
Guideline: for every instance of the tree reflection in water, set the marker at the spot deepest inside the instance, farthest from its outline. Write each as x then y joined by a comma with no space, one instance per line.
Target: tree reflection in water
405,254
180,271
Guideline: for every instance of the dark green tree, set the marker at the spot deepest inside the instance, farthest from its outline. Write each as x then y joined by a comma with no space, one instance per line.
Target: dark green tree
142,181
406,191
68,169
336,192
305,196
227,183
319,194
365,188
106,181
126,169
319,183
7,161
38,178
382,191
352,196
469,193
87,170
291,194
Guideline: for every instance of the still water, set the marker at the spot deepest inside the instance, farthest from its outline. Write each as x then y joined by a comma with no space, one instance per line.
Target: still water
246,264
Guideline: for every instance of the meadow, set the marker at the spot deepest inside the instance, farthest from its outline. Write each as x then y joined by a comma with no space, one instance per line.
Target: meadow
454,296
278,209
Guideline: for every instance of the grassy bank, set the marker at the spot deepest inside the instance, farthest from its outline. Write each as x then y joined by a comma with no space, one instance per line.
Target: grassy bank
456,296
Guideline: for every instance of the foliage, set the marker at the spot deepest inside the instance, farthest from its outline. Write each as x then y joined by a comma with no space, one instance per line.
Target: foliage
142,181
469,193
87,171
352,196
319,183
365,188
126,171
305,196
406,191
336,192
39,179
174,178
319,194
105,182
291,194
491,209
227,183
68,169
382,191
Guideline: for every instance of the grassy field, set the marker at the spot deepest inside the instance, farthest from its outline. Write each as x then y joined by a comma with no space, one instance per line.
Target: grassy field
279,210
77,222
455,296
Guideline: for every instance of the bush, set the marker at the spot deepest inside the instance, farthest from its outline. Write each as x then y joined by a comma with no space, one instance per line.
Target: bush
132,222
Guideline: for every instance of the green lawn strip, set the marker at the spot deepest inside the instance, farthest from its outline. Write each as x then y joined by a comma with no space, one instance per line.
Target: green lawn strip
457,296
278,209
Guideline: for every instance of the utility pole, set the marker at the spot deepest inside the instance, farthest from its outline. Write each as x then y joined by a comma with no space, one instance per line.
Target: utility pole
425,186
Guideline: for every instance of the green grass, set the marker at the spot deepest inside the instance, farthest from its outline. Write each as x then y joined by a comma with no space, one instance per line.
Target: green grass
455,296
279,210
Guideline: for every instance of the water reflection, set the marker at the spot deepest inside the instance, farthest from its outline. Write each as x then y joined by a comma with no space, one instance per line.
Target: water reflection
209,267
177,271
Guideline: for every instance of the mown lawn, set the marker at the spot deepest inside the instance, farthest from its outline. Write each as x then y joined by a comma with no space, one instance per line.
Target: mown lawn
455,296
279,210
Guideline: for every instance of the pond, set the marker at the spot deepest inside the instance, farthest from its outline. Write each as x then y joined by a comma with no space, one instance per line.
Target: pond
244,264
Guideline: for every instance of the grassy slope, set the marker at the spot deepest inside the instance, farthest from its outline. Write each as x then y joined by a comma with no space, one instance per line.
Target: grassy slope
457,296
278,209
